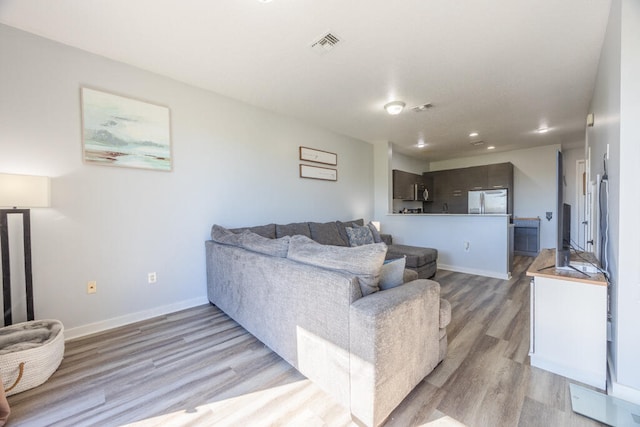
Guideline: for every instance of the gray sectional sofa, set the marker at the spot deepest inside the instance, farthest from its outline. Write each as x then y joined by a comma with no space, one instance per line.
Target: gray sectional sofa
317,305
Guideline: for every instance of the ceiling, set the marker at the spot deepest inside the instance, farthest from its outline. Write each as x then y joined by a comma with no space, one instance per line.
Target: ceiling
501,68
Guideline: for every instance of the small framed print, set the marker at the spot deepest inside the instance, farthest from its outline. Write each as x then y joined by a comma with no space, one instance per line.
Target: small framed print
317,172
318,156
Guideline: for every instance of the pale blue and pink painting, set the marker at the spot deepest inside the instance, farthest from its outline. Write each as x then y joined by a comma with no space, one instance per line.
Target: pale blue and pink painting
119,131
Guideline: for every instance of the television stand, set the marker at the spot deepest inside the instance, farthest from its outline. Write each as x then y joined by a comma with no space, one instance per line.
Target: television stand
568,321
564,268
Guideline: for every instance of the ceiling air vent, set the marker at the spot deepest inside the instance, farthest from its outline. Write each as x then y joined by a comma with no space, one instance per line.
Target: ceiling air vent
477,143
325,43
421,108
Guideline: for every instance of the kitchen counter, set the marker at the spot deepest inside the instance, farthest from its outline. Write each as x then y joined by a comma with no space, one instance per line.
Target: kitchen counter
469,243
448,214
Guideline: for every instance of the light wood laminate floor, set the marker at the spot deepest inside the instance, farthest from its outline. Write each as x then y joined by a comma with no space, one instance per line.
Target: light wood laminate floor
199,368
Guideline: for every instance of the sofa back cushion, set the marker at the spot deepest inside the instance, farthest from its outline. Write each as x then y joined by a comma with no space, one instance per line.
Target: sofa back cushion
268,230
364,262
295,228
251,241
327,233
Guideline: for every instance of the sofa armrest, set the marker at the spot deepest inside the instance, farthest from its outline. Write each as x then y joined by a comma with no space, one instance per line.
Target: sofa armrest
387,238
409,275
394,344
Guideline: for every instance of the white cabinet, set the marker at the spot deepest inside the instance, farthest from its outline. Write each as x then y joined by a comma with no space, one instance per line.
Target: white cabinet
568,323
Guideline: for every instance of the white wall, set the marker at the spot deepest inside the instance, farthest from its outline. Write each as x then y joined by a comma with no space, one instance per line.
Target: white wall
616,105
408,164
534,172
234,165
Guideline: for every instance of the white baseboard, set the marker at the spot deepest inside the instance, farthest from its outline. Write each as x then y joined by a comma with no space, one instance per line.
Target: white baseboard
115,322
477,272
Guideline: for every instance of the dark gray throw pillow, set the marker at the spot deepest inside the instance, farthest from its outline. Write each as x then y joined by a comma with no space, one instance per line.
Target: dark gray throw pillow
359,236
364,262
376,234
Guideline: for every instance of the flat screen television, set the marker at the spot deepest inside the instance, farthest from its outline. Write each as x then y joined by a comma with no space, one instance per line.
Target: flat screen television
563,216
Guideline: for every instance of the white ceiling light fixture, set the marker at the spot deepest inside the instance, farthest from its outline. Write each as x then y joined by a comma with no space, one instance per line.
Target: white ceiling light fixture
473,134
394,107
491,147
543,129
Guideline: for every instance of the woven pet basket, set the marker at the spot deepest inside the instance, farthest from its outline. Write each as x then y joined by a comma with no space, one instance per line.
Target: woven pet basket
28,368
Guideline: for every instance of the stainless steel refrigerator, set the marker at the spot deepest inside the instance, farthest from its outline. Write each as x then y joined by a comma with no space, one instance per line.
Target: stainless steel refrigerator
488,201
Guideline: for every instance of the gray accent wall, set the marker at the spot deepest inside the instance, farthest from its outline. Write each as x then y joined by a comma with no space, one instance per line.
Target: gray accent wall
234,164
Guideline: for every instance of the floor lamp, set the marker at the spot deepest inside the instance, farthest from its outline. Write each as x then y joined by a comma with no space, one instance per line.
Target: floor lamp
19,192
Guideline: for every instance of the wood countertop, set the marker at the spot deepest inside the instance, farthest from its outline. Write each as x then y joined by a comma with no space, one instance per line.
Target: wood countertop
547,258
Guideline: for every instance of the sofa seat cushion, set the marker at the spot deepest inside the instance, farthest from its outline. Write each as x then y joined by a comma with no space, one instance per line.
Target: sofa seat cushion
365,262
416,256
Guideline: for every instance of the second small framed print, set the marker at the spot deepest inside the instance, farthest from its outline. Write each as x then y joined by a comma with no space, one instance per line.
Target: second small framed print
318,156
317,172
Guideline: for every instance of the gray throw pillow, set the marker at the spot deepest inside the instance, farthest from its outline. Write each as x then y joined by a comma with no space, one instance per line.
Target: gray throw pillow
374,231
359,236
343,225
251,241
364,262
392,273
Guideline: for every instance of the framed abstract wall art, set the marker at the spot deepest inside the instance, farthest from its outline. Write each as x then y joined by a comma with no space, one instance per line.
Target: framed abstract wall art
120,131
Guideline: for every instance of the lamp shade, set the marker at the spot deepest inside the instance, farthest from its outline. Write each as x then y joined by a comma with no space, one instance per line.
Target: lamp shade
24,191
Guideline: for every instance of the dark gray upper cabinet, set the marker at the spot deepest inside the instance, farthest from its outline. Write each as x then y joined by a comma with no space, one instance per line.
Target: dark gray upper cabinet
500,175
450,188
404,185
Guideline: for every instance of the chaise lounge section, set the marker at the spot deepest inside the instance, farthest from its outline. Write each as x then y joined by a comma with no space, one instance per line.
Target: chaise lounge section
317,306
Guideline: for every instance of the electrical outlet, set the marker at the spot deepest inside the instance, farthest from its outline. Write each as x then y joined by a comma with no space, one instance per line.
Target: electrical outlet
152,277
92,287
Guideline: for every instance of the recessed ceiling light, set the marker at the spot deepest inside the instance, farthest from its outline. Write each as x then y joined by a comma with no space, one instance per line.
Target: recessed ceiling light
473,134
543,129
394,107
491,147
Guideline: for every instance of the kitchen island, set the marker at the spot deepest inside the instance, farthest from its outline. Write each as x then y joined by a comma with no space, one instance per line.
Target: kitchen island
474,244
